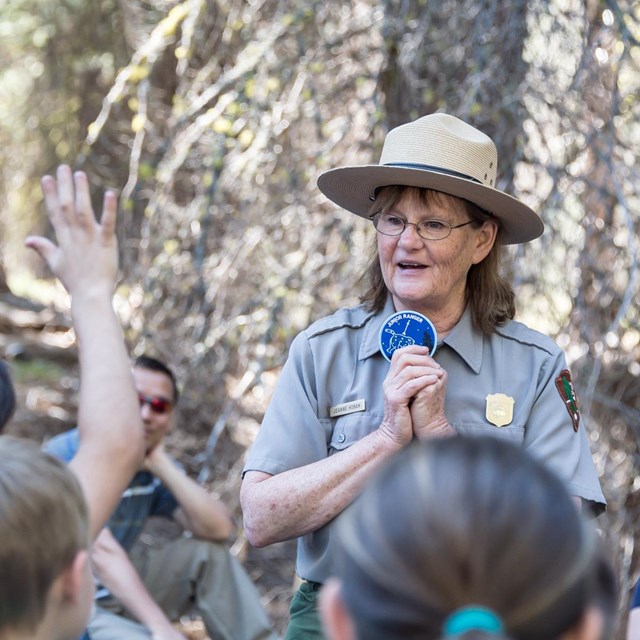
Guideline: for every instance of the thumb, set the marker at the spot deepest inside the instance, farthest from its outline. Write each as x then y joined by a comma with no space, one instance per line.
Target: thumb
43,246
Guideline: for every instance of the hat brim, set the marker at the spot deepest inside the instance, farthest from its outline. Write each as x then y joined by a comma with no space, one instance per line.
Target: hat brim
354,189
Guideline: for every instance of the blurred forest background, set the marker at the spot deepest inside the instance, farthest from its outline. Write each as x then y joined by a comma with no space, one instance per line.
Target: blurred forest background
213,118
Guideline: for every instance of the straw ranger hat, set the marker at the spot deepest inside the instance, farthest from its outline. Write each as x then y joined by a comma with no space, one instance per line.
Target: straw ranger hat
438,152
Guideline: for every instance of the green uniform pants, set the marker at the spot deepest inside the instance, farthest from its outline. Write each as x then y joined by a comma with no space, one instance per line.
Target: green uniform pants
304,622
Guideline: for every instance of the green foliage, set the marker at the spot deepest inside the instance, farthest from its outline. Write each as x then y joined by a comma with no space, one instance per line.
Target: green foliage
36,372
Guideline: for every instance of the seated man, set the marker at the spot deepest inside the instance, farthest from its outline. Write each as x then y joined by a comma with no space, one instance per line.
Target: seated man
144,591
49,513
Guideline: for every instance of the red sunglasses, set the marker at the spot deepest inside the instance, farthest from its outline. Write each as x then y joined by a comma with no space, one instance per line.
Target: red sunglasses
156,404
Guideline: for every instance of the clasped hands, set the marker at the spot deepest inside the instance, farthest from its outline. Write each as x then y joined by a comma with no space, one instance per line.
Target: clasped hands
414,394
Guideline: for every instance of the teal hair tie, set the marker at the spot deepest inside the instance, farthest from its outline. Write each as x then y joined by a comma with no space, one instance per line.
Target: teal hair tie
471,618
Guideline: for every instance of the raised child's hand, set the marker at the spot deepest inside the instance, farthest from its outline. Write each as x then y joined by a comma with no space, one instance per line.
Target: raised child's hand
86,256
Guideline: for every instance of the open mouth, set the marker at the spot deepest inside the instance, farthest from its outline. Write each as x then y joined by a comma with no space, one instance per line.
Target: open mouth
411,265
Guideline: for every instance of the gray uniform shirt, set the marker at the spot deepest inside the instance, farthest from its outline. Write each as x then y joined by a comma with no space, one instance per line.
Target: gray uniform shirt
329,395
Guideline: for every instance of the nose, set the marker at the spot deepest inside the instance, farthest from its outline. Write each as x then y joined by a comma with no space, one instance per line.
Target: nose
145,412
409,236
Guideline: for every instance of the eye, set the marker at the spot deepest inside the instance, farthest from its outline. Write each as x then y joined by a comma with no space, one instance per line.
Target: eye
392,221
159,405
433,225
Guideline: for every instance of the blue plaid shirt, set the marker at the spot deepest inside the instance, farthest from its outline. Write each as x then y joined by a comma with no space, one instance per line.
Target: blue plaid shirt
145,496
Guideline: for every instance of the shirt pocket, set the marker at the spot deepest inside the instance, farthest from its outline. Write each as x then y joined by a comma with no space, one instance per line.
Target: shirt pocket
512,433
351,428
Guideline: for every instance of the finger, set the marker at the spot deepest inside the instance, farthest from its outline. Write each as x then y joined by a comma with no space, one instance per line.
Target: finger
413,364
399,378
402,390
43,246
430,384
412,354
415,349
109,215
424,382
421,382
410,371
413,372
65,193
50,192
84,210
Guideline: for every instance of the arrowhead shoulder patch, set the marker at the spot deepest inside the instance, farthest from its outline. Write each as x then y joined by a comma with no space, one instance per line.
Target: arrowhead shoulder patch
565,388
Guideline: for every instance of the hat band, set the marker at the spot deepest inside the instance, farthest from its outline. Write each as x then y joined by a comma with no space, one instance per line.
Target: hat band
428,167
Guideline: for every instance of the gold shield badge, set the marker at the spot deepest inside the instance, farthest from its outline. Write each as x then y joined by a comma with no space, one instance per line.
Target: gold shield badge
499,409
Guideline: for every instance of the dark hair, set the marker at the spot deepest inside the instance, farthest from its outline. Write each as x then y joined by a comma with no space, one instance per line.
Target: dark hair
7,395
153,364
488,291
463,522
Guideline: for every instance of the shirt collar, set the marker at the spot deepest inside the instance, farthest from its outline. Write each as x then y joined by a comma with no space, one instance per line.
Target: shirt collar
464,338
466,341
371,339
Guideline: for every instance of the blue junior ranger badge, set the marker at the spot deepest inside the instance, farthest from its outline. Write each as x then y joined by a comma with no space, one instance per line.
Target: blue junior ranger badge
405,328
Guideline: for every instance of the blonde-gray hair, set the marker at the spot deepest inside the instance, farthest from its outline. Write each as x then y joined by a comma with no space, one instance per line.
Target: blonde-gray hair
43,525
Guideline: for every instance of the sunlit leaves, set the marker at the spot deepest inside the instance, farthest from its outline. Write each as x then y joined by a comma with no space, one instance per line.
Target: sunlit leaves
170,24
137,123
222,125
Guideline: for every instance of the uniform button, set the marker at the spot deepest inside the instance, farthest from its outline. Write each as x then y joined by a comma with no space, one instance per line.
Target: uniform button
342,438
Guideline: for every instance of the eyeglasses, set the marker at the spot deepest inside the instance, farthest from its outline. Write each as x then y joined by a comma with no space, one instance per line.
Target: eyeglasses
390,225
156,404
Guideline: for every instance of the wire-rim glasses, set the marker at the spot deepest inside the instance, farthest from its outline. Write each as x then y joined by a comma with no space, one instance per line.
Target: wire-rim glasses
431,229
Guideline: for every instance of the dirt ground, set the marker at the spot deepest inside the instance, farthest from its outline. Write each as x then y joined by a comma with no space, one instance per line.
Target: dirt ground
36,343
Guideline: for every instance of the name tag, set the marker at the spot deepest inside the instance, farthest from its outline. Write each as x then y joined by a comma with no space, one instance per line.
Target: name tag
346,408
